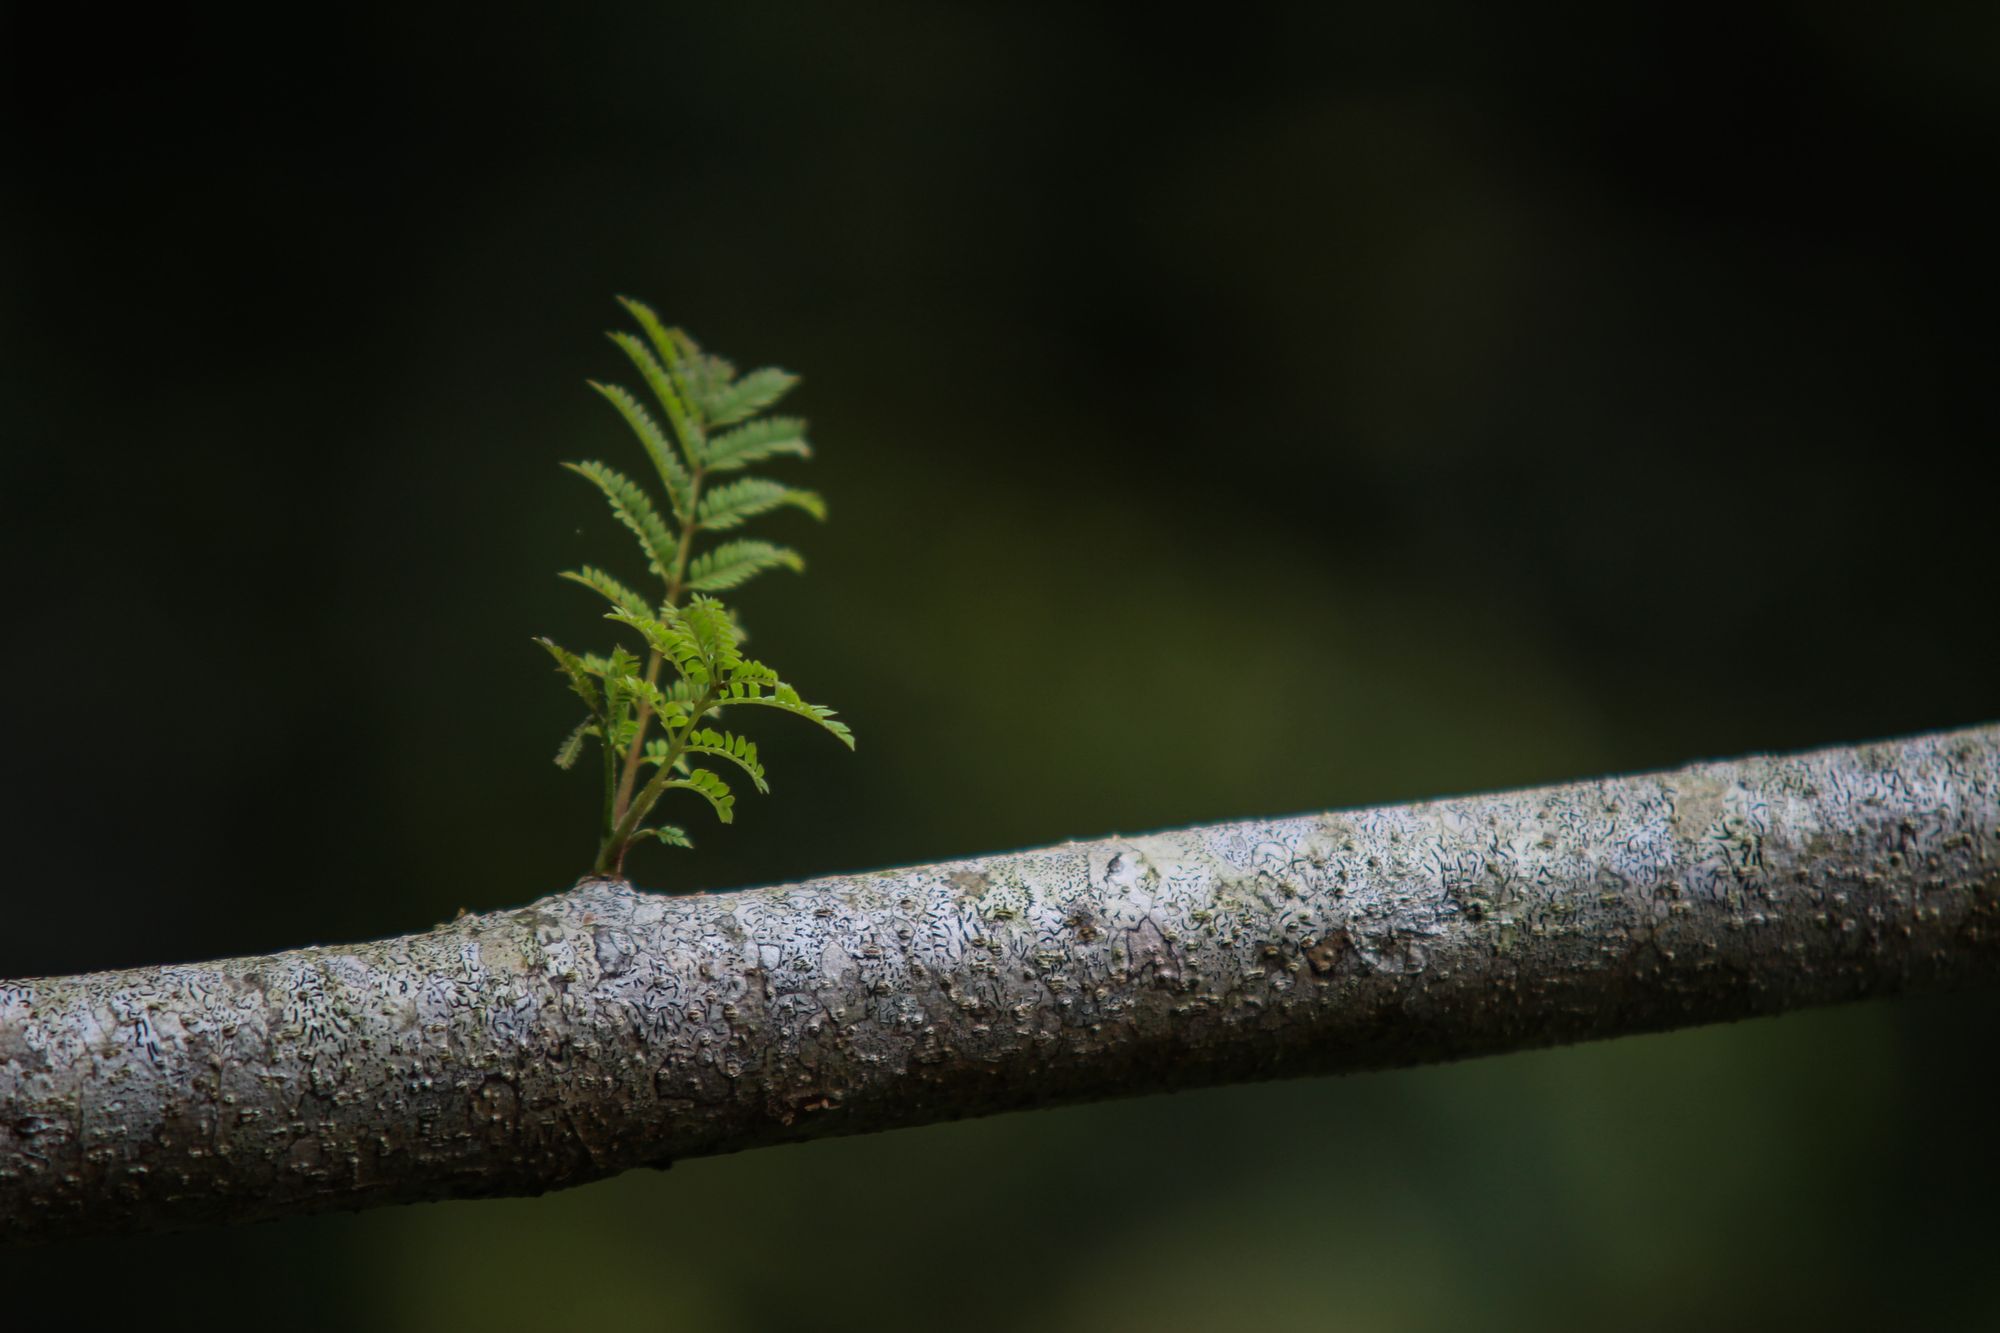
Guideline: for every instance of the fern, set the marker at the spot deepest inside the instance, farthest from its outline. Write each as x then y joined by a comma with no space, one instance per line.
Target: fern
734,748
610,589
680,412
629,502
672,475
758,442
708,626
734,563
786,698
650,720
673,345
583,675
703,782
727,506
572,747
760,389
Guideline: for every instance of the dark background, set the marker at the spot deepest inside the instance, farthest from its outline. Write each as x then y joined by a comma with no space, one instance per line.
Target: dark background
1291,407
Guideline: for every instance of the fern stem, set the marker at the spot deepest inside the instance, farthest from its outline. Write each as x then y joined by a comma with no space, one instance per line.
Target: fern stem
628,778
612,860
619,825
610,782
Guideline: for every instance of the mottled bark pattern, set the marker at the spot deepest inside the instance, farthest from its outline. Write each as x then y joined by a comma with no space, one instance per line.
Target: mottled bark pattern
604,1028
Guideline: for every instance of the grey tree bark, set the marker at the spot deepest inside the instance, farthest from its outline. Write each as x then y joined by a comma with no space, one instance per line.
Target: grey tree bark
603,1028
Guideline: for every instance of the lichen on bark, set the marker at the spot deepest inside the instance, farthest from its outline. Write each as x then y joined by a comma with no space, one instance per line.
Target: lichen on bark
603,1028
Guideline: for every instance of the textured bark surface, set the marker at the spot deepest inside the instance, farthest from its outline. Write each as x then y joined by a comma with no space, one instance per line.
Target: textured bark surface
604,1028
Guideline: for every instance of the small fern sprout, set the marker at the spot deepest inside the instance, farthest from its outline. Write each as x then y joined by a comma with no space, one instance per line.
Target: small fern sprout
653,713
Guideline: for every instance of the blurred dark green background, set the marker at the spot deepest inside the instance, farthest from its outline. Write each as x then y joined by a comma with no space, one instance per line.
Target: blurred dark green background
1291,407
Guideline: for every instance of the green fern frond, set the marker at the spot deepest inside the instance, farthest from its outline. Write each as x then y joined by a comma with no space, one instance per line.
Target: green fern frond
735,563
672,714
666,461
653,721
634,509
730,505
738,750
673,345
751,671
707,622
760,389
773,437
623,731
618,663
610,589
670,639
580,676
659,635
698,377
618,668
680,412
703,378
708,784
784,697
572,747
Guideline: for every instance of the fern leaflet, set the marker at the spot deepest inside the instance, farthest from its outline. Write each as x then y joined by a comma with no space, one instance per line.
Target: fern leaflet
666,461
760,389
680,413
706,621
757,442
572,747
736,749
634,510
673,345
580,675
610,589
730,505
733,564
784,697
704,782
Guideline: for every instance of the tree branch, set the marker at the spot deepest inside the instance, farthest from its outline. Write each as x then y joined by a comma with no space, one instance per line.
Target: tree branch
602,1028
